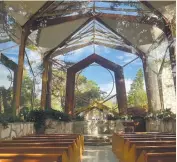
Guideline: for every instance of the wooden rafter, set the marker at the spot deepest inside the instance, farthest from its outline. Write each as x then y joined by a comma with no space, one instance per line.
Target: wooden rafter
76,47
49,21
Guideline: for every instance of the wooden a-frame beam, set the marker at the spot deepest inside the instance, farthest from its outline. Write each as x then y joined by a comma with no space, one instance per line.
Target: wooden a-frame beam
69,49
119,80
49,21
91,59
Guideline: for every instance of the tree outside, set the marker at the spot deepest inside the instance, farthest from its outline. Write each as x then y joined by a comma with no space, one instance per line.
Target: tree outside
137,95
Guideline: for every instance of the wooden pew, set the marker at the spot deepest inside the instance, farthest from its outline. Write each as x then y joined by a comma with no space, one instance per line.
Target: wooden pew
31,157
78,138
121,142
45,141
65,151
135,151
74,153
79,148
129,144
155,157
81,137
117,138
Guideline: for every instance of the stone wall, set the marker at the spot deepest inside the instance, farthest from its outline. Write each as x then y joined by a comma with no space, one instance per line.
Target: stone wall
53,126
16,130
84,127
161,126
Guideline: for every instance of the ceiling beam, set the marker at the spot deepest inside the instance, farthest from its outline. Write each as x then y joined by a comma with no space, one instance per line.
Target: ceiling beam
76,47
56,21
49,21
65,12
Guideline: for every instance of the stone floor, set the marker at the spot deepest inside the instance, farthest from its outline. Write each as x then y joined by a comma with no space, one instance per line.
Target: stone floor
98,154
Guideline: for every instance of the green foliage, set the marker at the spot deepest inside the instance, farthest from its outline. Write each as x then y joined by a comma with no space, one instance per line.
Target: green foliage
26,91
57,115
6,118
37,116
6,97
86,90
126,117
137,95
32,47
24,113
164,114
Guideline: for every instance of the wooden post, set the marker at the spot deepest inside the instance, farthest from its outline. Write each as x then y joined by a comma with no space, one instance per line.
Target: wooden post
44,83
24,36
49,86
70,87
121,91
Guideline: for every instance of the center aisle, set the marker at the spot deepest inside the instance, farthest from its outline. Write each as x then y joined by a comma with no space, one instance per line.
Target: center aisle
98,154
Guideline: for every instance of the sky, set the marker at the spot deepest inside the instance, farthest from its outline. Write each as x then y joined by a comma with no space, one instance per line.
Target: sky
101,75
96,73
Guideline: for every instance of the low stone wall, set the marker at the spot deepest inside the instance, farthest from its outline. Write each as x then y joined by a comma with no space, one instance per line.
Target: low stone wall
161,126
53,127
16,130
84,127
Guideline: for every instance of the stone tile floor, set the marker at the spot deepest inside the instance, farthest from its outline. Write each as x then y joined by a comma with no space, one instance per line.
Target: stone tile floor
98,154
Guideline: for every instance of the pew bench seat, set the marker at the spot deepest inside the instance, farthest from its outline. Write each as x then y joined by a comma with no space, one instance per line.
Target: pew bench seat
156,157
32,157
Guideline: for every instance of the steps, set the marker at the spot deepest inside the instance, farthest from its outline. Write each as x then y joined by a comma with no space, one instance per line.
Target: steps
97,140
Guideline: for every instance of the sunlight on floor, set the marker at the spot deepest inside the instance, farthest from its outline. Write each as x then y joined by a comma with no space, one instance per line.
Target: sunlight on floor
98,154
